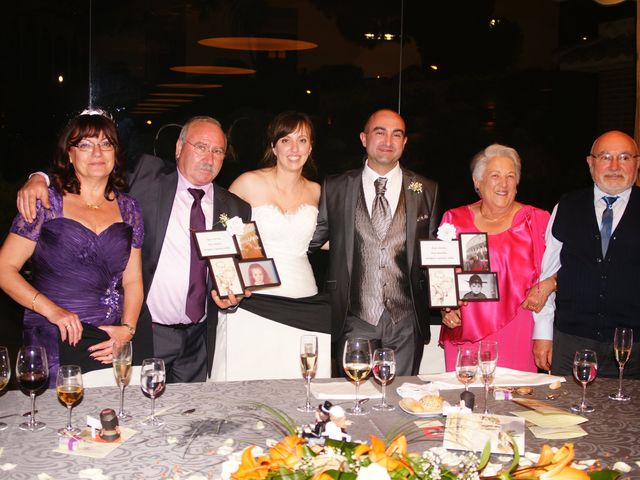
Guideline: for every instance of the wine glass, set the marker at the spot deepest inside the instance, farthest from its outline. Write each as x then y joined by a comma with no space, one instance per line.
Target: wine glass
384,369
69,389
466,365
308,365
32,371
356,360
152,381
488,359
122,372
5,375
622,343
585,369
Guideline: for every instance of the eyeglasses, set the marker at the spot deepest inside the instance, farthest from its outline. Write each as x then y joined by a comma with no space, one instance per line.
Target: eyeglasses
607,157
87,146
202,149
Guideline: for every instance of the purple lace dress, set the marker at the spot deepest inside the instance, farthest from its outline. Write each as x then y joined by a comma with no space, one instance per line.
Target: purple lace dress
77,269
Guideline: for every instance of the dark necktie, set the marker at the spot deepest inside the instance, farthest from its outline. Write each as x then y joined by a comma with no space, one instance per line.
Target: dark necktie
198,269
380,213
607,223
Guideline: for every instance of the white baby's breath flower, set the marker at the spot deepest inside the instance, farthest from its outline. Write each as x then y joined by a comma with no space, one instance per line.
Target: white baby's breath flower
235,226
415,187
446,232
223,219
373,472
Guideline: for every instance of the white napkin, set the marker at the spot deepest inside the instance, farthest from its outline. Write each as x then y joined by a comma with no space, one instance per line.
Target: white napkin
417,390
343,390
504,377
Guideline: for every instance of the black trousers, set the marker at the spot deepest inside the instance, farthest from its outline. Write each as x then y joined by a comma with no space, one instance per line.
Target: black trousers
565,347
184,351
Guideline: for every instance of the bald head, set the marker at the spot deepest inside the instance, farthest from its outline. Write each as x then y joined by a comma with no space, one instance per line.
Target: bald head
613,162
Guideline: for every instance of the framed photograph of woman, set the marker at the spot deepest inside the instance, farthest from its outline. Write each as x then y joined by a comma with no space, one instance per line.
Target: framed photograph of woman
226,276
250,243
258,274
477,287
442,287
474,252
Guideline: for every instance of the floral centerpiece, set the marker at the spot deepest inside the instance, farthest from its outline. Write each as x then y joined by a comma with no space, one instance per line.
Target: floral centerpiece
293,459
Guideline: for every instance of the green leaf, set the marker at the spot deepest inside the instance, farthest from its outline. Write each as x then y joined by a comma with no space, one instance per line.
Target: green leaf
516,455
336,475
604,475
486,455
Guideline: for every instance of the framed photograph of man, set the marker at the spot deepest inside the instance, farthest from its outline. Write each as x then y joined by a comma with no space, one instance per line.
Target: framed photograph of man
226,276
477,287
258,274
474,252
442,287
250,243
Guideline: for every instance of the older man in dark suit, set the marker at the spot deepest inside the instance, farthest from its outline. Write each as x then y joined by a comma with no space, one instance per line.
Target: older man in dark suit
176,201
374,217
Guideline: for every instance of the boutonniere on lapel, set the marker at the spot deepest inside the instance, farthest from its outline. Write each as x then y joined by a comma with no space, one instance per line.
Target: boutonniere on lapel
234,225
415,187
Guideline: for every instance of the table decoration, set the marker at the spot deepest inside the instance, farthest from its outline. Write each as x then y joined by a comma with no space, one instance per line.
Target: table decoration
504,377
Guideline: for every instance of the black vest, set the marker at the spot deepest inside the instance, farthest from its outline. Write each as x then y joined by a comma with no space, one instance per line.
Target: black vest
595,295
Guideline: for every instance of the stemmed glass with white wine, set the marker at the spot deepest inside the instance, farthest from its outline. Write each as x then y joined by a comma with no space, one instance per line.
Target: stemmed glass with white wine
152,382
585,369
32,372
487,359
356,361
466,365
5,375
384,369
622,343
122,371
308,365
70,390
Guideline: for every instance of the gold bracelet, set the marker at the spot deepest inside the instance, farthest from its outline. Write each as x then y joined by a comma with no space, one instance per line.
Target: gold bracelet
33,301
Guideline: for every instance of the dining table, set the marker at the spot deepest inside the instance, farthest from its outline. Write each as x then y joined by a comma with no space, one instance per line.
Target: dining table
204,422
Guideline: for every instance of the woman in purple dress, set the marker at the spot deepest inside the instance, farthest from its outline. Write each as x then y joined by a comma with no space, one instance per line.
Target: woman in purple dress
85,289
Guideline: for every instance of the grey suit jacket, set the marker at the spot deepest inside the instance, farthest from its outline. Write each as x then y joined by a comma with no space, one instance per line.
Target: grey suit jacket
336,222
153,183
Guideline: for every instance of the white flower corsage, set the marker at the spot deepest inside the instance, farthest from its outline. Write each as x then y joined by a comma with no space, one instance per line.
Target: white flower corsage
415,187
446,232
223,219
235,226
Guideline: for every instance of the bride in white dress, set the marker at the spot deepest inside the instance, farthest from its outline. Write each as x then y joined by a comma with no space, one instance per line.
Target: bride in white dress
285,207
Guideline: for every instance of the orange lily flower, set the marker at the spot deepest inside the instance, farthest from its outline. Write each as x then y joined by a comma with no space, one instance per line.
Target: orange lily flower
251,468
382,457
288,452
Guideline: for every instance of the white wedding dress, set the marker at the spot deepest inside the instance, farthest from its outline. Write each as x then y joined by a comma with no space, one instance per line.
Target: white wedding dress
251,347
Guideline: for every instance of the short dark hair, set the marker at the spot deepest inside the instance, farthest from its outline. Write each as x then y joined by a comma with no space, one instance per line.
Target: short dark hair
63,176
282,125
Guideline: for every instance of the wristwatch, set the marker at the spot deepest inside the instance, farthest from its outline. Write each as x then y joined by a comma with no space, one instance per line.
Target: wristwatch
132,330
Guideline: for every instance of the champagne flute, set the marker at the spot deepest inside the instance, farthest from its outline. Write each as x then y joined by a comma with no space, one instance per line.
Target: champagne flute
308,365
622,343
384,369
69,389
122,372
466,365
32,371
152,382
356,360
585,369
488,359
5,375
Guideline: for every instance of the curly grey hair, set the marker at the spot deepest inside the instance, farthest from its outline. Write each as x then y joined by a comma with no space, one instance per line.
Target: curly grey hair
479,162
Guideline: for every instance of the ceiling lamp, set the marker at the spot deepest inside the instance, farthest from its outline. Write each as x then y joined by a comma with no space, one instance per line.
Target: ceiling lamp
257,44
190,85
213,70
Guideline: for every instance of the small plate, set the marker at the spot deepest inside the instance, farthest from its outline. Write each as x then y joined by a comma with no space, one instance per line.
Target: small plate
419,414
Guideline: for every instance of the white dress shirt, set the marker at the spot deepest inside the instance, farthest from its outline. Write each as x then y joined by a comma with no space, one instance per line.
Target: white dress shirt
543,329
394,186
167,297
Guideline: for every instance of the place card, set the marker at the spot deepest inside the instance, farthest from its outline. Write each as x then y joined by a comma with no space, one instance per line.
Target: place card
471,431
438,253
215,243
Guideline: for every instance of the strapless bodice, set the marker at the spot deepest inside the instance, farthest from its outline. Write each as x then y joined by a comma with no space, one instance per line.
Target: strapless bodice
286,237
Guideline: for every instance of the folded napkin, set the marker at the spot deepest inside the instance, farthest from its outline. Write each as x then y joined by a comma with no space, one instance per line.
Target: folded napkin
343,390
417,390
504,377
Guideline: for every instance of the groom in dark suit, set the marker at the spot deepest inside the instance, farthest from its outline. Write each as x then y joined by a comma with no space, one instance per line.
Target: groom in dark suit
176,309
374,218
